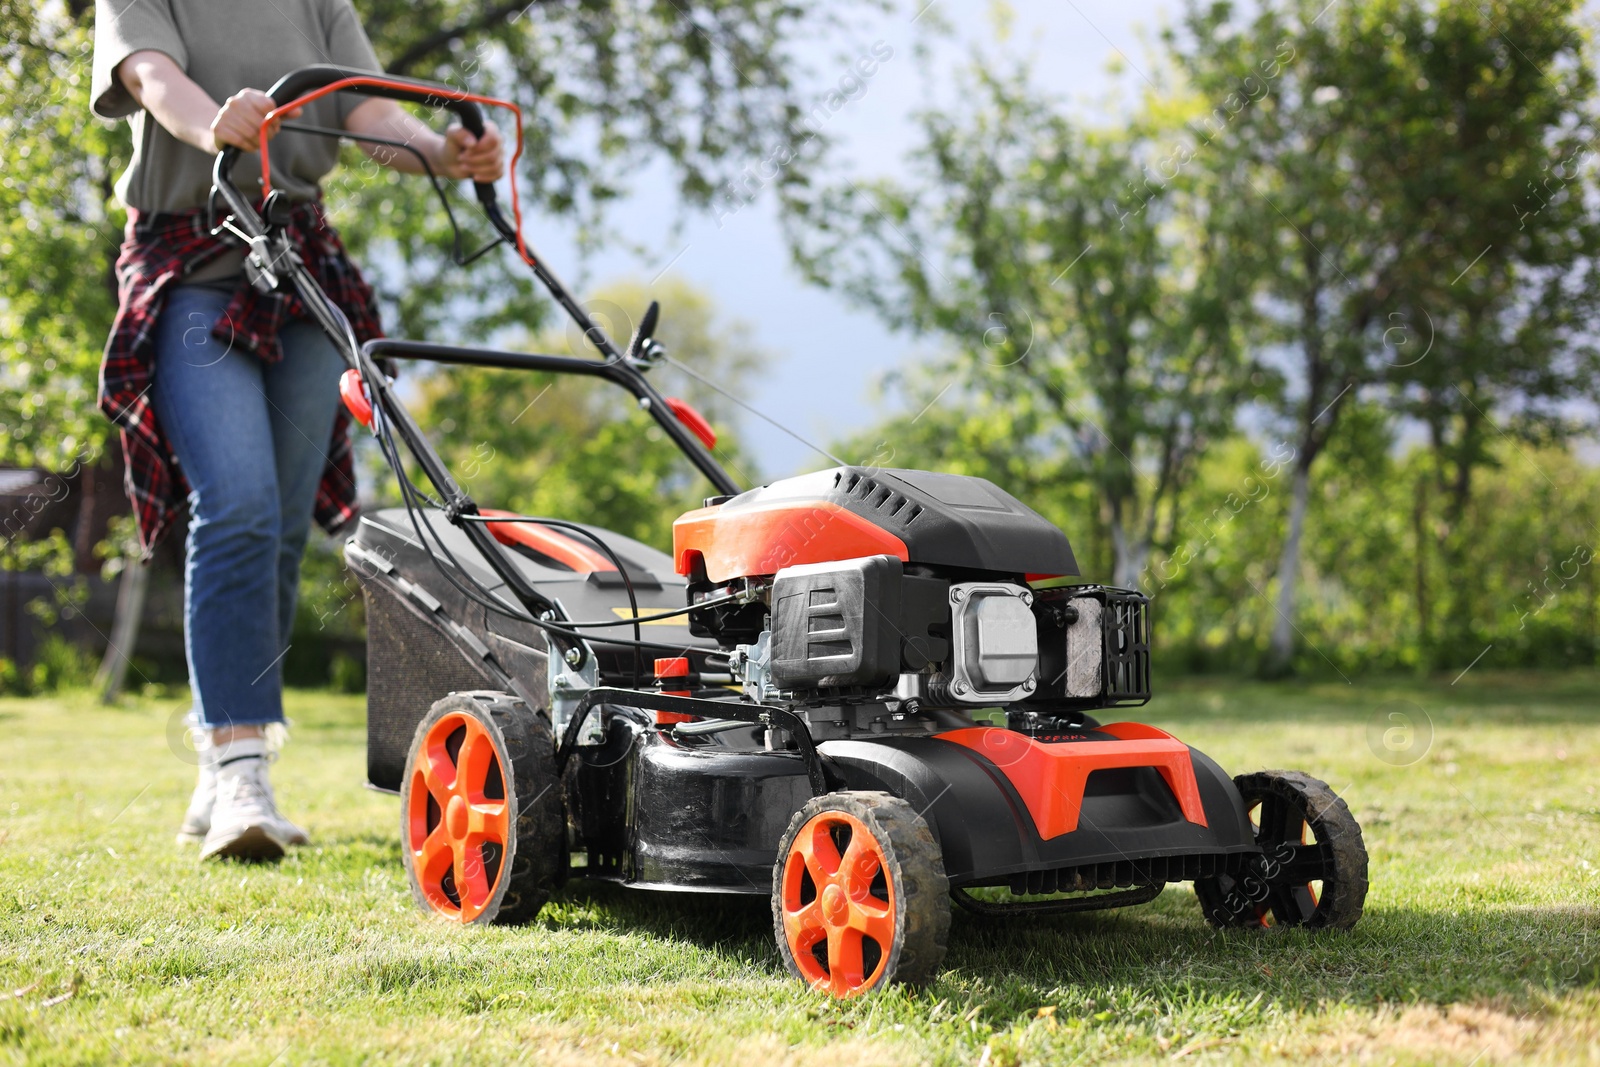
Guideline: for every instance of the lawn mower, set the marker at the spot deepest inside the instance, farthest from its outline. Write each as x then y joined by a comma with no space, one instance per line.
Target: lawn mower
865,693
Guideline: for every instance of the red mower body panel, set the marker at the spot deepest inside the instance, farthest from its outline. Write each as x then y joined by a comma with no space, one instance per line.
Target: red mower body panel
1050,776
763,539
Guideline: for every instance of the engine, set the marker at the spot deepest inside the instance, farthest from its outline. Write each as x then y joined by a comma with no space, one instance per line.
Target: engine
908,591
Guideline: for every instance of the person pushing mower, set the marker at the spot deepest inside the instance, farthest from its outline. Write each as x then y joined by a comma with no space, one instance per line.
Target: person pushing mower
225,396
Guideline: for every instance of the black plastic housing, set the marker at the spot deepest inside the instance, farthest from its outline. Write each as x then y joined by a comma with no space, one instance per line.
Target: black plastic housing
833,624
706,813
855,623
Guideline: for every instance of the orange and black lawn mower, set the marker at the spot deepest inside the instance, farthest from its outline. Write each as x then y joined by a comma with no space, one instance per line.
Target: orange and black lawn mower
861,692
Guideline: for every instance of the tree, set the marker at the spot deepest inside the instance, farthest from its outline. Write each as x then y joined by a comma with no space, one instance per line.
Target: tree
59,233
1509,293
1387,157
1111,309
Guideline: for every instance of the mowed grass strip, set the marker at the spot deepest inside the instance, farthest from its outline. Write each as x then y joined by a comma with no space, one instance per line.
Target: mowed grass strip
1481,941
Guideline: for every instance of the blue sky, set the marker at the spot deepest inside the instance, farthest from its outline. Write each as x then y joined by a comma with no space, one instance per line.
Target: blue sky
827,353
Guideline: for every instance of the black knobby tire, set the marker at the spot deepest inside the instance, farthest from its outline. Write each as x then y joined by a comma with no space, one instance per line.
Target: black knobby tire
911,883
531,863
1276,889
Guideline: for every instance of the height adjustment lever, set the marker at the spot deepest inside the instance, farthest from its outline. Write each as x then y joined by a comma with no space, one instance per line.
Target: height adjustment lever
644,347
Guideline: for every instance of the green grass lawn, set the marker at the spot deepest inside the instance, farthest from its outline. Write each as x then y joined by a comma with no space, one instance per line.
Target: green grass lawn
1480,944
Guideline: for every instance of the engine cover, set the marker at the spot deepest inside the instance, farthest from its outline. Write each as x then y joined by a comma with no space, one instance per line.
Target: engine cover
921,517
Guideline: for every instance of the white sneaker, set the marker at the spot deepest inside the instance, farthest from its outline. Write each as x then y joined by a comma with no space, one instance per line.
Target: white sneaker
197,820
245,823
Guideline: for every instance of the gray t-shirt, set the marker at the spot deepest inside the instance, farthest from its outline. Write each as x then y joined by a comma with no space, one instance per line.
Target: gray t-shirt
225,46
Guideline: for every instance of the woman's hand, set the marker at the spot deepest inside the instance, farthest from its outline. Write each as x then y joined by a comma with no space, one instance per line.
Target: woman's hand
238,121
480,158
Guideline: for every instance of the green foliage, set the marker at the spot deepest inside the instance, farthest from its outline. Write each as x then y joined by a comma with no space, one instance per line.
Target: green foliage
57,664
330,604
59,233
1374,572
347,674
1420,171
330,624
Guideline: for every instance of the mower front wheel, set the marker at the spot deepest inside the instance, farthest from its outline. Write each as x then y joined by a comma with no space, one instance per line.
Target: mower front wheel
1312,870
482,823
859,894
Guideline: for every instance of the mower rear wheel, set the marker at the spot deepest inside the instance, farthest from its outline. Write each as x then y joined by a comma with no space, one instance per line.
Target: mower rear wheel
859,894
482,825
1313,866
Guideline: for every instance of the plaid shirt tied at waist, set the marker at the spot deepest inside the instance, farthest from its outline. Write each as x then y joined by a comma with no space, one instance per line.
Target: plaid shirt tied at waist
157,252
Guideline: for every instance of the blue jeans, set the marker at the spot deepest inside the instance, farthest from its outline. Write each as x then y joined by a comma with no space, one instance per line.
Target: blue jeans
252,439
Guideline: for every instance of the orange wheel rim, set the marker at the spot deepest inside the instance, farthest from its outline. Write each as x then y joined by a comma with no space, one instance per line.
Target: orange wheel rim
457,819
838,904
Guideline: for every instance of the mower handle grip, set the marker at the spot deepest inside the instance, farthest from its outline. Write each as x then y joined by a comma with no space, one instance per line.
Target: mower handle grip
298,83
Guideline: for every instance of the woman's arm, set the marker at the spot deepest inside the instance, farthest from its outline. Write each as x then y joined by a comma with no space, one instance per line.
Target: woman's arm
456,154
187,111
